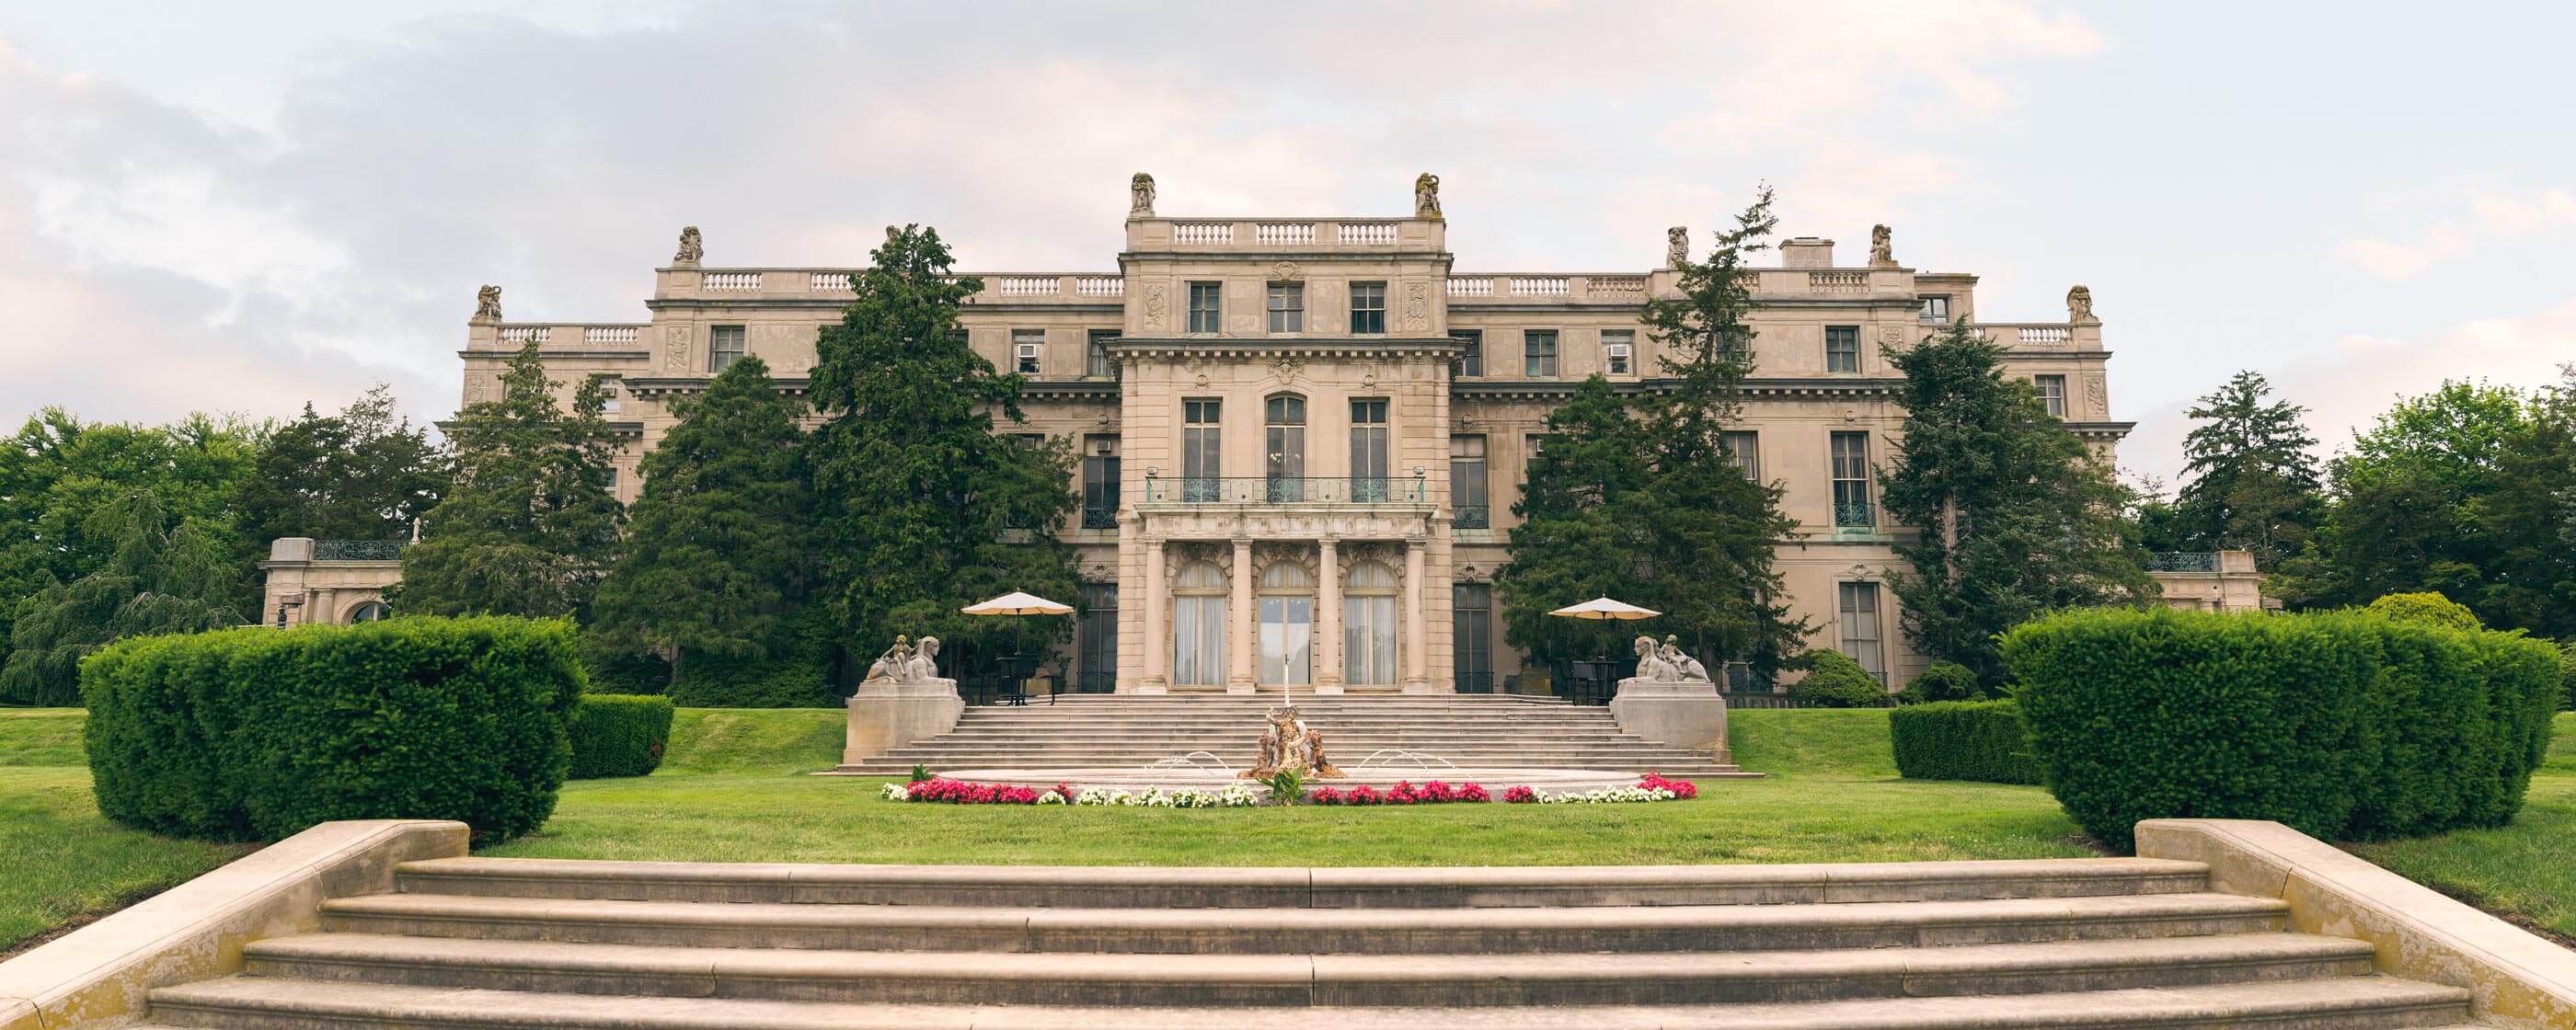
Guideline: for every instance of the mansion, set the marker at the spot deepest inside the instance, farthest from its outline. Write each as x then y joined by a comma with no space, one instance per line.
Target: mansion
1301,437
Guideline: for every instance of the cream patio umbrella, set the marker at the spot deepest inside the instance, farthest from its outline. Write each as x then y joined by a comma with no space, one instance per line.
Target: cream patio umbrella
1017,603
1605,608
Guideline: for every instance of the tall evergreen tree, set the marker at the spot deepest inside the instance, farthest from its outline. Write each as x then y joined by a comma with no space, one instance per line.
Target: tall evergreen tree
362,474
173,581
2254,483
717,554
1650,501
531,522
2016,517
922,508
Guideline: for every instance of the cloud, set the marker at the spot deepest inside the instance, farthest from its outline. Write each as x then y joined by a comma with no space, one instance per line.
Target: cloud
2390,260
2504,213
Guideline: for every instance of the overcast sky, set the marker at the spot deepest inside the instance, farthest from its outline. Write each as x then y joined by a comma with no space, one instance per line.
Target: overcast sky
245,206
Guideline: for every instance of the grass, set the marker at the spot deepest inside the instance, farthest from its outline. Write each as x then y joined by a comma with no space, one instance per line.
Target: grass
732,788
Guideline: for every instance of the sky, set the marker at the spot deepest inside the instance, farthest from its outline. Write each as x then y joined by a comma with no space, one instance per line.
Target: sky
244,207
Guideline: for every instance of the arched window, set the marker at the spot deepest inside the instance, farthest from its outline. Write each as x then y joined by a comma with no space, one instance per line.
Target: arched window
1284,435
1287,623
1368,624
370,611
1198,625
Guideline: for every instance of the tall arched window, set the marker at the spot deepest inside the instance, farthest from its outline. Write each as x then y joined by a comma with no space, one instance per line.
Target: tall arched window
370,611
1368,625
1284,425
1198,625
1287,623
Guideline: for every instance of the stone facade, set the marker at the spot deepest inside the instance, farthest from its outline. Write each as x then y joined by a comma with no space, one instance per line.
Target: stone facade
1204,490
327,582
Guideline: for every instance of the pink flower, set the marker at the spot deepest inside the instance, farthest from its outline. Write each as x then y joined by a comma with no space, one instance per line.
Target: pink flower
1473,792
1520,795
1323,796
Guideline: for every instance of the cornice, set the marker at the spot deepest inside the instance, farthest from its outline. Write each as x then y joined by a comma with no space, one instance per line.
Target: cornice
608,355
1481,389
1132,347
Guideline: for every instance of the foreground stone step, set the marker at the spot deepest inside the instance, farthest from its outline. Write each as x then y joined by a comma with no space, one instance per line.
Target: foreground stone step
1298,980
1516,931
1392,887
2342,1003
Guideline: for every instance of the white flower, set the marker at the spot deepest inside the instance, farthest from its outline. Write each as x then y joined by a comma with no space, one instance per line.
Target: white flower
897,792
1050,798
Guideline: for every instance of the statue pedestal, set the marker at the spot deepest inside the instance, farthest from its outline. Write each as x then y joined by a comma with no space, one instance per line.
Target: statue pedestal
1682,713
886,714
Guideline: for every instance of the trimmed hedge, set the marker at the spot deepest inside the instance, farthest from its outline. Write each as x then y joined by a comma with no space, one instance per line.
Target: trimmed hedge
1941,681
2345,725
784,683
618,735
2427,607
1836,681
258,733
1963,740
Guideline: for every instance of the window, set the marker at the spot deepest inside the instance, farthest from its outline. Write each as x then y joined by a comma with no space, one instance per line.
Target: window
1368,449
1368,308
1284,440
1860,626
1936,309
1099,639
1533,447
1096,363
1472,363
1851,482
2052,392
1472,618
1538,353
1207,307
1200,445
369,611
1287,307
724,347
1198,625
1368,625
1026,344
1287,621
1842,348
1744,451
1100,482
1467,497
1618,351
1736,348
1029,441
612,403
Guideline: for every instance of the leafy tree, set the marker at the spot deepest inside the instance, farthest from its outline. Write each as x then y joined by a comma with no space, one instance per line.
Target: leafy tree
157,581
717,556
1642,499
2402,514
921,508
2152,513
2530,522
362,474
2254,483
2016,516
531,522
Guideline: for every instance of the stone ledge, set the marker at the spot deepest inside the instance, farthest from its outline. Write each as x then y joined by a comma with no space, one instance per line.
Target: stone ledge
2517,978
99,975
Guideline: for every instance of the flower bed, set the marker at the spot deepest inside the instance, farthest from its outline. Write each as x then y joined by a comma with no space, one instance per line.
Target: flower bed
1242,795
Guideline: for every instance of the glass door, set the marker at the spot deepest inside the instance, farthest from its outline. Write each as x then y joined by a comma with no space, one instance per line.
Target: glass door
1287,640
1368,449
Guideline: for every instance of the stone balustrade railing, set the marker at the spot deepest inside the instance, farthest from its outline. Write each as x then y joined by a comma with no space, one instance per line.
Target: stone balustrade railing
831,283
2034,335
519,334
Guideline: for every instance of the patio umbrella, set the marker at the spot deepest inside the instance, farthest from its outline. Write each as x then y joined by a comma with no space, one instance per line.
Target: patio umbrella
1016,603
1605,608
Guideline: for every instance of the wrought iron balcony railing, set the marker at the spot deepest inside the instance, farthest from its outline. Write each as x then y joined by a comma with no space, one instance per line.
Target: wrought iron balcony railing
2183,561
1855,515
1285,490
358,550
1473,516
1100,518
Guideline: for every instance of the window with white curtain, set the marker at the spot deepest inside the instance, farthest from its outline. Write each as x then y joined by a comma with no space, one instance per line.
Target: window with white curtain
1287,639
1198,625
1368,625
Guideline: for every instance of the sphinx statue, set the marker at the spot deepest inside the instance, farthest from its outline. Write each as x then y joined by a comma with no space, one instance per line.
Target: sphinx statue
1288,743
1684,666
906,662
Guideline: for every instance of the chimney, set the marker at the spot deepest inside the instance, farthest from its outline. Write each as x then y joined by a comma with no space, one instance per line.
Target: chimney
1807,252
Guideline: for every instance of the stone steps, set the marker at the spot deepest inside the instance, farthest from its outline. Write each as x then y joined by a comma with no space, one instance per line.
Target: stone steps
520,944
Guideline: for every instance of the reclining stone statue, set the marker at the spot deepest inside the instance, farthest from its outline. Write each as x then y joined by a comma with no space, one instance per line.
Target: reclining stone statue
906,662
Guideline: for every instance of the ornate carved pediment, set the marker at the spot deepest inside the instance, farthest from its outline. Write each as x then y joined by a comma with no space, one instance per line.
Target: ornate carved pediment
1266,554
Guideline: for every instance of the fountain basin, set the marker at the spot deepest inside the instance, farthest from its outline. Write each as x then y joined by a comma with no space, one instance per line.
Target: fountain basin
1132,778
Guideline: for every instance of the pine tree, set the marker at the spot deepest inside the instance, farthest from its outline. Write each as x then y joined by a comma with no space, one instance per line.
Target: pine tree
531,522
1642,500
2254,484
2015,516
362,474
717,557
922,509
178,581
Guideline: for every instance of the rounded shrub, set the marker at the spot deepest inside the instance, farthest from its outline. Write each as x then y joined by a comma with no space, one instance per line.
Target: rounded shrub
618,735
1836,681
1941,681
2344,725
1963,740
258,733
2427,607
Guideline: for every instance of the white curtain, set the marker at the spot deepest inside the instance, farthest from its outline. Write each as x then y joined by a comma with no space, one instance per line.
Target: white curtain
1287,639
1368,640
1198,639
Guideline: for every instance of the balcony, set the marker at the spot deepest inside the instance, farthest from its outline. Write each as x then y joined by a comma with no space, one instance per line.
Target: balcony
2183,561
1473,516
358,550
1855,517
1285,490
1099,518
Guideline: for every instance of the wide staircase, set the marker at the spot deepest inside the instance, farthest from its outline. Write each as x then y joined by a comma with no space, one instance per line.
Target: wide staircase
522,943
1487,730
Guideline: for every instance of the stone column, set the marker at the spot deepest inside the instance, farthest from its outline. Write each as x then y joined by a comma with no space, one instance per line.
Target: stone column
1158,650
1417,637
1328,617
1238,644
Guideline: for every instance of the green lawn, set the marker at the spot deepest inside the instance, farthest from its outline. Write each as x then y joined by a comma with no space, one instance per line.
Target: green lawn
733,789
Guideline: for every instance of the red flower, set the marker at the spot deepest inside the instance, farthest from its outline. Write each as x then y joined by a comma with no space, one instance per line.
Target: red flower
1520,795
